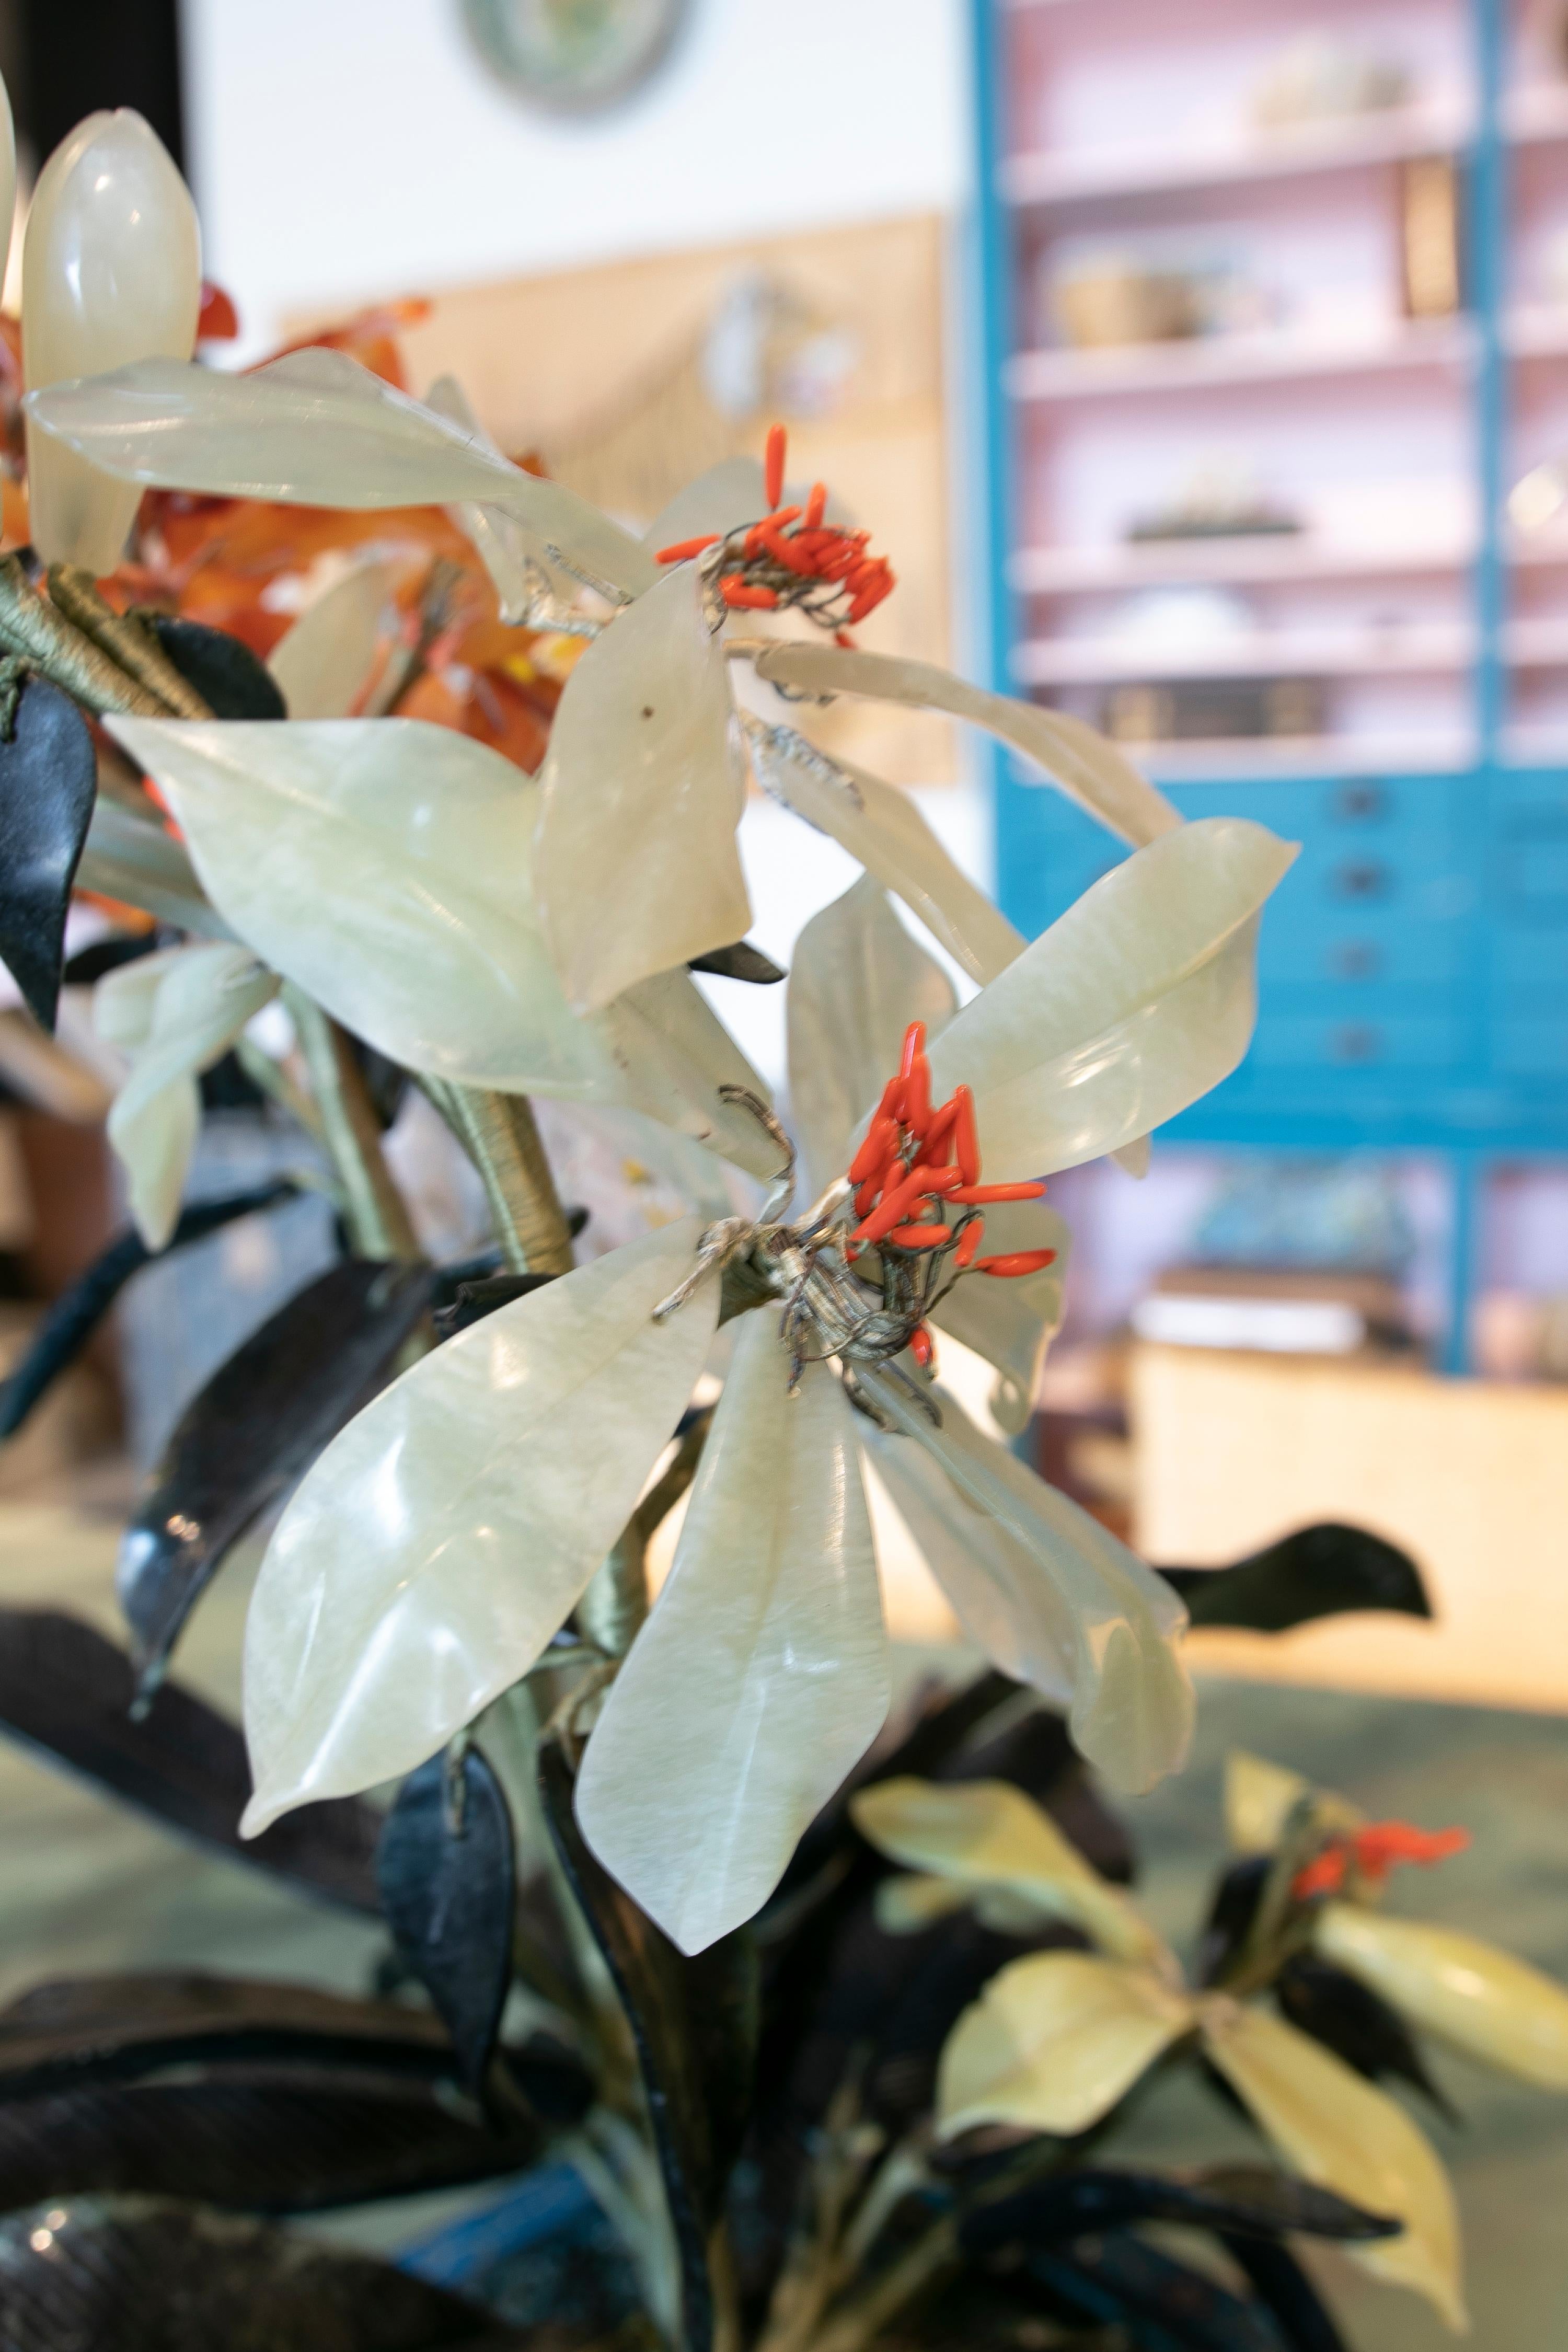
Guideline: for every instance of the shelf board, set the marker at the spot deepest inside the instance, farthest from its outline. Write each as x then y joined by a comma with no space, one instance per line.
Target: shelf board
1265,759
1265,557
1535,331
1414,646
1534,112
1389,136
1268,355
1536,641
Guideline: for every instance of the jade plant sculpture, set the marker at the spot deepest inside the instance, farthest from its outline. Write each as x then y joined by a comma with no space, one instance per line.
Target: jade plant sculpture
658,1832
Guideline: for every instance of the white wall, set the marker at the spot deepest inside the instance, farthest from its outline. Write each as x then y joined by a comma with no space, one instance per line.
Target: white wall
341,149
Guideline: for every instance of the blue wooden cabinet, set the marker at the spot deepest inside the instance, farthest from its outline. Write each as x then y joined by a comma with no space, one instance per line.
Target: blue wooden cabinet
1413,964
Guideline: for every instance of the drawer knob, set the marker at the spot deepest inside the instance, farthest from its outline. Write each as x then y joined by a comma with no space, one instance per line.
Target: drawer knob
1356,1041
1361,878
1355,959
1360,804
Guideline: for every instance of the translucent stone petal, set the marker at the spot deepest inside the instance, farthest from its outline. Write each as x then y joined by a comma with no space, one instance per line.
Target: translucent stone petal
987,1833
437,1544
384,866
111,270
761,1675
1339,2131
857,981
643,785
1037,1582
1054,2042
673,1053
131,858
1133,1158
1259,1798
1482,2001
321,663
176,1012
1089,768
1011,1323
505,544
884,829
1136,1001
316,429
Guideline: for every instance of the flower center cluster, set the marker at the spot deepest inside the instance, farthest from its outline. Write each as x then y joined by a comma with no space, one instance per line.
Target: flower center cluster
1372,1853
792,559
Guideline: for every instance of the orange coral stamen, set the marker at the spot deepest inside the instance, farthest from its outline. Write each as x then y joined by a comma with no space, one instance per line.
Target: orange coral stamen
685,549
773,463
1012,1263
734,591
987,1192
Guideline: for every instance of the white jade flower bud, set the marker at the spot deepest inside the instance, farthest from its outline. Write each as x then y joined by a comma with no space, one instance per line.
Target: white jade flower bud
111,272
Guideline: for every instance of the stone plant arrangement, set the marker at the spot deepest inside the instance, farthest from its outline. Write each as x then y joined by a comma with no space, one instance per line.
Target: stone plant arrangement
636,1864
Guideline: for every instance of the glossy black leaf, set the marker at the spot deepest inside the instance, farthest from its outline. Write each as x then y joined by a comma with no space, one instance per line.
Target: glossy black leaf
1355,2023
232,681
1231,1913
48,781
1317,1571
261,1419
1119,2281
144,2275
1283,2287
1246,2200
76,1314
739,961
694,2025
476,1299
67,1692
448,1877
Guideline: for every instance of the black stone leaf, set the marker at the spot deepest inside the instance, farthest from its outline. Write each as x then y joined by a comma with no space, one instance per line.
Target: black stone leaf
474,1300
1317,1571
234,682
1247,2200
1282,2286
145,2274
66,1693
1337,2010
1119,2281
261,1419
48,781
76,1312
741,961
1234,1906
447,1878
694,2025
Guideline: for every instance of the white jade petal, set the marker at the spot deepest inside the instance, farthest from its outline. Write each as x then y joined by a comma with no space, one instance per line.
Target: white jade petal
1259,1799
1136,1001
762,1673
1054,2042
177,1013
437,1544
7,176
644,785
384,866
857,981
1011,1320
1484,2001
987,1834
315,428
131,858
111,270
1339,2132
505,544
1133,1158
1055,1575
320,665
1089,768
884,829
673,1053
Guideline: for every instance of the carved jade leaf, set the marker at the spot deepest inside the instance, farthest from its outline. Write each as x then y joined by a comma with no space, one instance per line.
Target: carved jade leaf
1054,2042
1484,2001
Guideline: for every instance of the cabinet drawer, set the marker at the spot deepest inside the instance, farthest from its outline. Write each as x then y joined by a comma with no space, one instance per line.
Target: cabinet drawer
1407,1041
1401,953
1532,1047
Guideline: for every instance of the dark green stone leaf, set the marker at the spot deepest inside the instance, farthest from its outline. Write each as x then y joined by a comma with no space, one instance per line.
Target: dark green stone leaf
1318,1571
741,962
67,1693
1118,2281
232,681
1231,1913
144,2274
1282,2286
48,781
1355,2023
261,1420
694,2023
1244,2198
448,1887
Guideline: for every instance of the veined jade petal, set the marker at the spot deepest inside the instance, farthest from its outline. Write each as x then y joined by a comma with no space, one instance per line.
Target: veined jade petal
1133,1158
1342,2133
111,270
384,864
761,1675
1136,1001
988,1834
1484,2001
1053,2043
440,1540
1259,1799
1091,770
673,1053
1011,1323
1056,1576
884,829
857,981
643,785
131,858
321,663
175,1013
505,544
314,429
